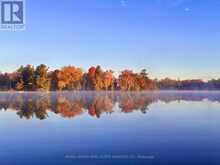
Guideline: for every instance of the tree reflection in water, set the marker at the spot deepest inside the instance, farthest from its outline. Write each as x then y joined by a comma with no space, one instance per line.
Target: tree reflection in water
73,104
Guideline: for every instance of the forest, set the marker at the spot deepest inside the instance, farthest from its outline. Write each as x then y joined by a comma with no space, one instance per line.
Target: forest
29,78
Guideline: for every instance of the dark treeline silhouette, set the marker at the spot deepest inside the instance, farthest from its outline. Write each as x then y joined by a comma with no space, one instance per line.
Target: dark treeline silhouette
29,78
72,104
169,84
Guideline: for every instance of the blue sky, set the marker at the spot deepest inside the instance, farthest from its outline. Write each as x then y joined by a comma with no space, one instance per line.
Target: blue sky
174,38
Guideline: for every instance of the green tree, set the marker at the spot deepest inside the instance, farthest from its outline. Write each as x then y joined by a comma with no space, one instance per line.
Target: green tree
26,78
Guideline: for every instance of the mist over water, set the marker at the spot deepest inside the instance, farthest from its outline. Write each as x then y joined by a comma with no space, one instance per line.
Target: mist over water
30,105
110,127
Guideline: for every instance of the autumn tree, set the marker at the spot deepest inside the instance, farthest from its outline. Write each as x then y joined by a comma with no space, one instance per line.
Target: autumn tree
144,82
41,79
90,79
70,78
127,80
99,78
94,78
108,80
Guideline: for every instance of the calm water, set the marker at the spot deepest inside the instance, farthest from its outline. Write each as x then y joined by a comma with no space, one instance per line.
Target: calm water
110,128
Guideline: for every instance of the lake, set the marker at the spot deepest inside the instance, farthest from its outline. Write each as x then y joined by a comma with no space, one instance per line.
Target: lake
167,127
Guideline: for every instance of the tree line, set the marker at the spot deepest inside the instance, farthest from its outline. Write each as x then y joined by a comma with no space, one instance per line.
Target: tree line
197,84
29,78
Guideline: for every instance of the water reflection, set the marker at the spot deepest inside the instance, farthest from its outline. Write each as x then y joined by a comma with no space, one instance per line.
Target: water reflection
73,104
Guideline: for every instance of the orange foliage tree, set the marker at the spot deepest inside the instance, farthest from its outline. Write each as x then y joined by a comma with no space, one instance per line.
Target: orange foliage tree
70,78
127,80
